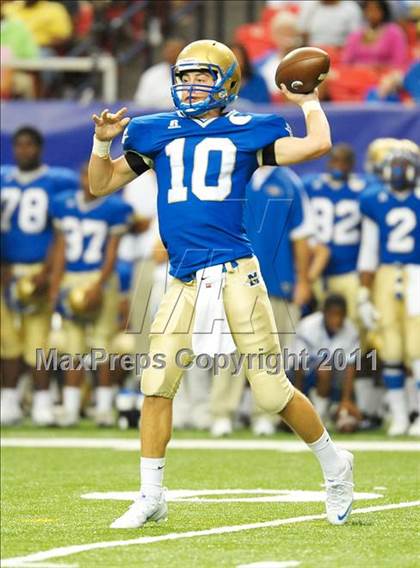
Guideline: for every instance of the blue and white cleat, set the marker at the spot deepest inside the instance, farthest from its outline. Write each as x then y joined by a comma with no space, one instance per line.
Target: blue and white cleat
144,509
339,491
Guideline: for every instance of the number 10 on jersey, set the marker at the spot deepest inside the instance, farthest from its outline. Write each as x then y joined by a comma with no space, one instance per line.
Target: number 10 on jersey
199,168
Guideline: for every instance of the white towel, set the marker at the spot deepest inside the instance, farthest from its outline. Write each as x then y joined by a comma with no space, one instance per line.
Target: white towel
211,334
413,290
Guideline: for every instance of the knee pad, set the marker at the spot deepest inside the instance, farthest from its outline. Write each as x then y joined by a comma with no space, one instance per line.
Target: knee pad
272,390
155,382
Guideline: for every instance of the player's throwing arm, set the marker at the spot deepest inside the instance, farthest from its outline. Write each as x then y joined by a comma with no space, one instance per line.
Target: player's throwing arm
298,75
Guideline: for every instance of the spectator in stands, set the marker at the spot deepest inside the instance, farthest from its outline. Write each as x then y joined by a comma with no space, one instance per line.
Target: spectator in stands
49,22
16,36
17,42
154,88
397,86
328,22
380,42
286,36
253,85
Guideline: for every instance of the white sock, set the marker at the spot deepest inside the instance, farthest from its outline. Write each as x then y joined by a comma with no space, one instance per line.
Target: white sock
365,395
10,397
329,457
42,401
151,475
321,404
398,405
411,394
416,373
71,401
104,398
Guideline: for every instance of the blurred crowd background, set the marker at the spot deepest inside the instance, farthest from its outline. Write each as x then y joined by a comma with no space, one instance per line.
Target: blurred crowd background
374,45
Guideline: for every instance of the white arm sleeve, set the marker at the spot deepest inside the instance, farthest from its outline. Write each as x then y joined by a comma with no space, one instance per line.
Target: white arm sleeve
369,246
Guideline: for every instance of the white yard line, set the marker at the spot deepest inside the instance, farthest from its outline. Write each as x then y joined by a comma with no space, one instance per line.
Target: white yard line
270,564
78,548
203,496
44,565
291,446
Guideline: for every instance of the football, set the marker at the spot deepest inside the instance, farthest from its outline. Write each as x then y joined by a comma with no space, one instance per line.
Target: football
303,69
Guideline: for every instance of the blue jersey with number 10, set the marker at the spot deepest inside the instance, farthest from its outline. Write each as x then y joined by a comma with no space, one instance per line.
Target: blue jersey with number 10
202,168
26,228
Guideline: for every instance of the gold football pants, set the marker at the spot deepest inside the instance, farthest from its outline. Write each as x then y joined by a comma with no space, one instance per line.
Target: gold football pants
252,325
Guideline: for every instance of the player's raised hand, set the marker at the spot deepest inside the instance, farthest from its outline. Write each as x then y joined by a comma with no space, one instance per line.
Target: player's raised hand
298,98
108,125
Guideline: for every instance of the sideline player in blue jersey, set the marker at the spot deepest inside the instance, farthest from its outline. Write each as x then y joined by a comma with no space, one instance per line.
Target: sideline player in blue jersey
85,287
26,238
334,197
389,266
278,224
204,157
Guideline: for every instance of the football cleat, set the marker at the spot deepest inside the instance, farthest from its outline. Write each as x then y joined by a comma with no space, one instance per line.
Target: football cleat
105,419
144,509
339,493
64,418
414,429
10,415
221,427
263,427
214,58
43,417
398,427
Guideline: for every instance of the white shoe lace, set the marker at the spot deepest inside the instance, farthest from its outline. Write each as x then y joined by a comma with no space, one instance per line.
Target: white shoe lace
336,491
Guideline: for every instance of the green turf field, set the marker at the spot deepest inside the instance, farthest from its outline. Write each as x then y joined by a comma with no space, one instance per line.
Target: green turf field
43,508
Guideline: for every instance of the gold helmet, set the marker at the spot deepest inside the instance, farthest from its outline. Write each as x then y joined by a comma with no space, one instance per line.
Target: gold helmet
26,290
214,58
377,152
23,295
410,145
78,303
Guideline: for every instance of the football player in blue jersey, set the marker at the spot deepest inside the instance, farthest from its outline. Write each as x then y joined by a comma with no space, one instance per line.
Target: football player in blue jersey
84,287
389,266
203,157
26,238
278,223
334,197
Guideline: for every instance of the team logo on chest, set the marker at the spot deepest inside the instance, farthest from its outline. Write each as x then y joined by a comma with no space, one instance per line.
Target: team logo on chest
253,279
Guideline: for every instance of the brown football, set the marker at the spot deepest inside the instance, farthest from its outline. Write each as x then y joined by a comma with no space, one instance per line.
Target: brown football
303,69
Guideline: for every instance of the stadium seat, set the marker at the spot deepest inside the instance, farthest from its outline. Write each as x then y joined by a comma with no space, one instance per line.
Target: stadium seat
255,39
351,83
